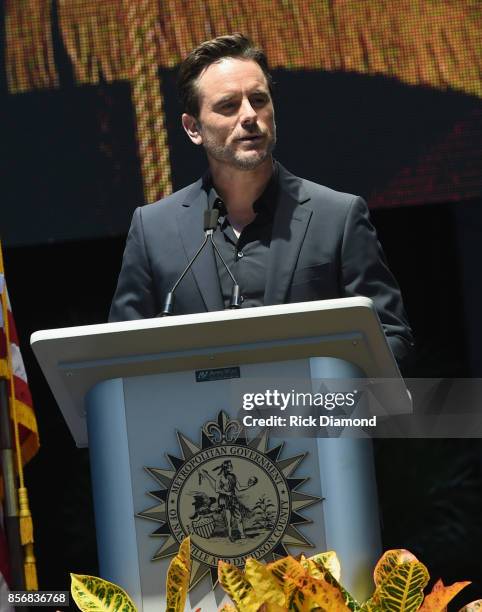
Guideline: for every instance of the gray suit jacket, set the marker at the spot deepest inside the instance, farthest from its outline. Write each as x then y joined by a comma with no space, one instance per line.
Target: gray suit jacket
323,246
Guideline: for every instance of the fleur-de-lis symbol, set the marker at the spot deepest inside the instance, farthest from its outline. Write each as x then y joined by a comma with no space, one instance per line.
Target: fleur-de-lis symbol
222,431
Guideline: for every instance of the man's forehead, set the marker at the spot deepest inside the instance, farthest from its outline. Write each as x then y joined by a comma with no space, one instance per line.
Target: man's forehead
228,74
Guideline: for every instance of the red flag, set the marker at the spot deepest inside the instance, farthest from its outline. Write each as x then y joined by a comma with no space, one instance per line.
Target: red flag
15,369
12,369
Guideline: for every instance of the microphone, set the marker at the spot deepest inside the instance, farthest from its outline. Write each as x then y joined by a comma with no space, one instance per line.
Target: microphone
210,222
211,216
235,301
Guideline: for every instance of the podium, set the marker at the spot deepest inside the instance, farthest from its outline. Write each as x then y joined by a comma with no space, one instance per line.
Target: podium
159,403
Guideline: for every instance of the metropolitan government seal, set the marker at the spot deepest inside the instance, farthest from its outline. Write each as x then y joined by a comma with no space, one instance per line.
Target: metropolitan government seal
235,498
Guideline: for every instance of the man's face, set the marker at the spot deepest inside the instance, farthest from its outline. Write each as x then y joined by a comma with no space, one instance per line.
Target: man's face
236,119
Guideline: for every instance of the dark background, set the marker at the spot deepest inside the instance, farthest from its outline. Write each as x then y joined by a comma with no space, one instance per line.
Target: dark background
70,180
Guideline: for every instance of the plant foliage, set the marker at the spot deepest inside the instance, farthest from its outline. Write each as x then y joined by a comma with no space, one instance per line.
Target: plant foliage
290,584
178,574
93,594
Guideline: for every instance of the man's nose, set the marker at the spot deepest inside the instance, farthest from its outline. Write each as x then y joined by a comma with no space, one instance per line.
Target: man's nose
248,114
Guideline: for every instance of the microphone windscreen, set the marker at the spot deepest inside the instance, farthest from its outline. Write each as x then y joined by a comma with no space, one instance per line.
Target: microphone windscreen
210,219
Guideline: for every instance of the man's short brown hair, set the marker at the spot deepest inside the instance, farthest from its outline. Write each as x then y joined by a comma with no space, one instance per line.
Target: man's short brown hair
209,52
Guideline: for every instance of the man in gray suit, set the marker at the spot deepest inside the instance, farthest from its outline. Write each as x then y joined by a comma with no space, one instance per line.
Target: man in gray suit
286,239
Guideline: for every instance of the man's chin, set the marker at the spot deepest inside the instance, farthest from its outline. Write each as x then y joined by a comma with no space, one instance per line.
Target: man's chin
241,160
251,161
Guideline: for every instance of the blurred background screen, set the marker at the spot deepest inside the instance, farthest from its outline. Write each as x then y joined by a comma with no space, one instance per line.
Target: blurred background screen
376,98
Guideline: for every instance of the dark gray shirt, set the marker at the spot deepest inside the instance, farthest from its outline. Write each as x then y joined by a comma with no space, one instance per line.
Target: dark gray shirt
246,256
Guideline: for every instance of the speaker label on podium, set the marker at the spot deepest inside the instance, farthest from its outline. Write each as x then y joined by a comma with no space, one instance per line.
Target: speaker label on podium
235,497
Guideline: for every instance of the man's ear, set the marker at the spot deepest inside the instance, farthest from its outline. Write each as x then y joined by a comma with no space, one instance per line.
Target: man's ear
192,128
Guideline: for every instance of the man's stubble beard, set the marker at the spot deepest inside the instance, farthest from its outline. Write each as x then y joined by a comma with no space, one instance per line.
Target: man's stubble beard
226,155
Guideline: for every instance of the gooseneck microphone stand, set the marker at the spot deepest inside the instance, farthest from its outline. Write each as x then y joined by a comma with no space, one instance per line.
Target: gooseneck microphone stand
210,223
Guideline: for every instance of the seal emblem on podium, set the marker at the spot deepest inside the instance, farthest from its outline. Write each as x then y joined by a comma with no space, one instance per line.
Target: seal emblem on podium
235,497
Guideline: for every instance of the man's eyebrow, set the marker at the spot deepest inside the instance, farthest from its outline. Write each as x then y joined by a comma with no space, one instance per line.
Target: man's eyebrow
225,98
232,96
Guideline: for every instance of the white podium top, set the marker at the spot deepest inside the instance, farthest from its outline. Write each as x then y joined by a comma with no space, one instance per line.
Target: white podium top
75,359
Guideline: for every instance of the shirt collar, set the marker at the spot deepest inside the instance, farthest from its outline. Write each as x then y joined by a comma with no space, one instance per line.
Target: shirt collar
265,204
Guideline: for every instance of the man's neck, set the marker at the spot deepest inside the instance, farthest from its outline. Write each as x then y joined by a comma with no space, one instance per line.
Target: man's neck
239,189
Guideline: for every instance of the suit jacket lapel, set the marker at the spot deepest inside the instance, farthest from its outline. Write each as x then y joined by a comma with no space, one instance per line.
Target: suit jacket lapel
190,222
289,228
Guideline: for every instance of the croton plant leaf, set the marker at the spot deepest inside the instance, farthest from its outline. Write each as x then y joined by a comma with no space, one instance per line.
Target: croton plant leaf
438,599
324,574
268,589
238,588
177,582
329,560
288,572
388,561
92,594
403,588
314,594
474,606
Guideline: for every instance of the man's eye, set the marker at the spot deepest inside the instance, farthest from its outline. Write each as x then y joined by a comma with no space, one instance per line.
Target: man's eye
259,100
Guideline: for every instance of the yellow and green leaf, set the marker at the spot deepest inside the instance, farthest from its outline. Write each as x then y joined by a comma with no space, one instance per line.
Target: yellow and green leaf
316,594
383,569
272,607
371,605
268,589
177,582
473,606
238,588
324,574
403,587
184,553
441,595
329,560
92,594
289,573
177,586
388,561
